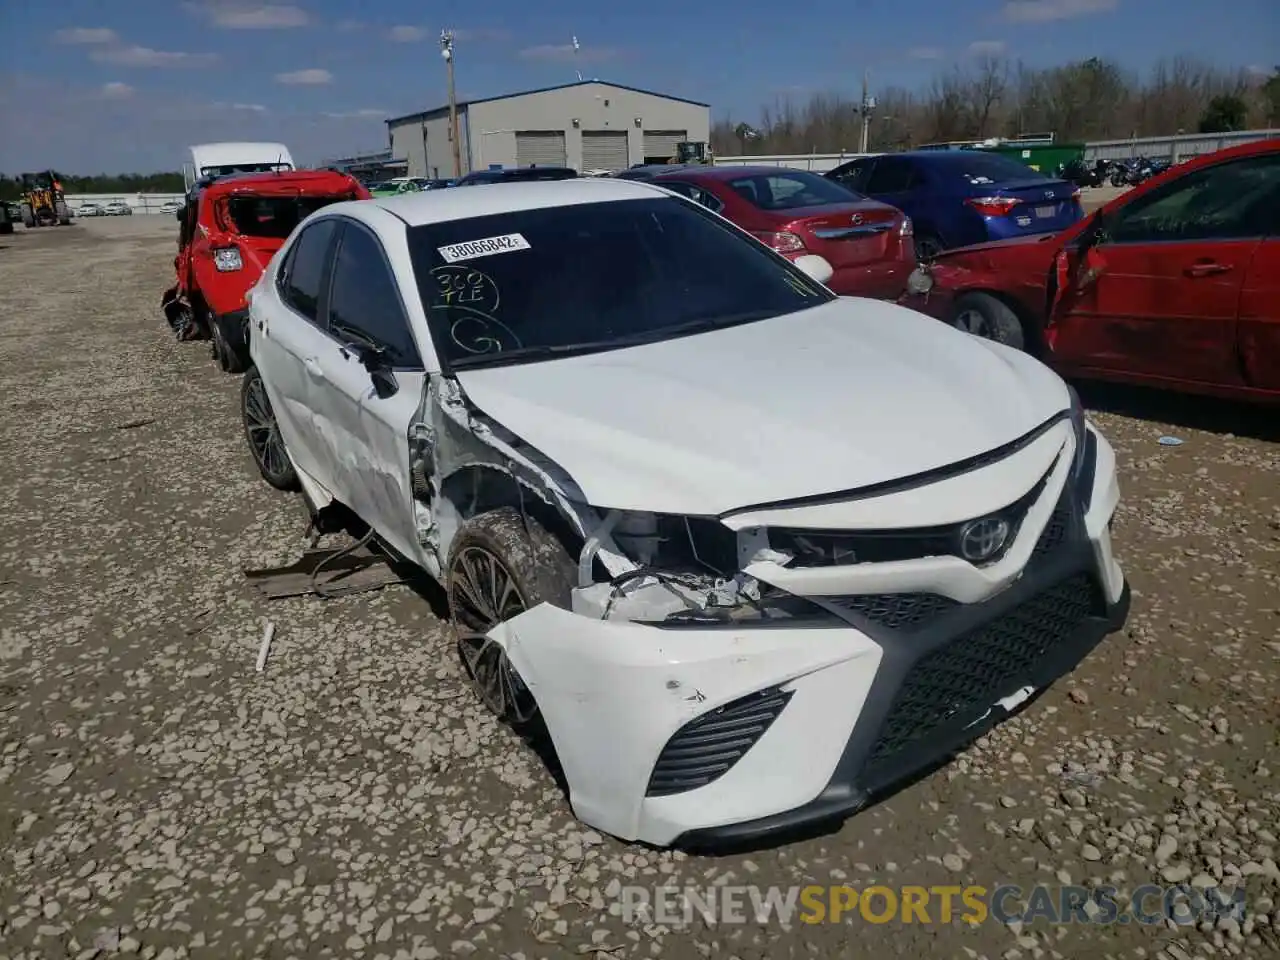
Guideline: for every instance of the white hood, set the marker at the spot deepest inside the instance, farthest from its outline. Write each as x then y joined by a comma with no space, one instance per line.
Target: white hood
842,396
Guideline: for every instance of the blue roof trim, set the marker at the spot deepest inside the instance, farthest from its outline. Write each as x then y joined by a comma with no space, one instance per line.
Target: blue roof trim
423,114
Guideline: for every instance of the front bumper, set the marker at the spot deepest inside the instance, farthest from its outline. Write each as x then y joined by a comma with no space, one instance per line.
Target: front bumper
707,735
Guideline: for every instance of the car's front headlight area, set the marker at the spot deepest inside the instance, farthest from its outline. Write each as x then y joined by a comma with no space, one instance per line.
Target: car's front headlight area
688,572
1085,463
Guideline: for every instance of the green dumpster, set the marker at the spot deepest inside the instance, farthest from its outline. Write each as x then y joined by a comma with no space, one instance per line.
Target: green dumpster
1048,158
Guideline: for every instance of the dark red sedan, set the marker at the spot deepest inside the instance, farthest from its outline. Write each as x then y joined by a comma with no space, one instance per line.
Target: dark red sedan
868,244
1175,283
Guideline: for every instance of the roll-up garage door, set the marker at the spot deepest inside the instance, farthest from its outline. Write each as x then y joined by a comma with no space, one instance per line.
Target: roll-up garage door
660,145
544,148
604,150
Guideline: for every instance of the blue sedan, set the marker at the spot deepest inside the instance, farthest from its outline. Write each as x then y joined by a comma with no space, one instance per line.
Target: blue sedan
960,197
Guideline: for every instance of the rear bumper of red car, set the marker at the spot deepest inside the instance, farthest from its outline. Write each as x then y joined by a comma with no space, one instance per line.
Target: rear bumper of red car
886,280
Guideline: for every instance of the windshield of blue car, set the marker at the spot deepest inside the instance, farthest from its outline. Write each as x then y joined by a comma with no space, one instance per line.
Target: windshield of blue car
580,278
791,190
983,169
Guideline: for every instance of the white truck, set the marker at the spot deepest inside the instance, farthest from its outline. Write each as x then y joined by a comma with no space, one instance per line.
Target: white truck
221,159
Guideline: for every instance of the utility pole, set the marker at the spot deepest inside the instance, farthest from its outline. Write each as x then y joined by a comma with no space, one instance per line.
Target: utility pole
576,69
446,51
867,104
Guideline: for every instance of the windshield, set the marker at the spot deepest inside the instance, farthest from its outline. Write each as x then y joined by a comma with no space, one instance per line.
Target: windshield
228,169
790,190
532,284
275,217
986,168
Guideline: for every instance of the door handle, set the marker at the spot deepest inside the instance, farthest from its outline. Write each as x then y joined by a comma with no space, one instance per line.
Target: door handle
1206,269
313,366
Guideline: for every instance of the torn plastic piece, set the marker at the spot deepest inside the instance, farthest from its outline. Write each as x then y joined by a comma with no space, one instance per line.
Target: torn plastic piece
265,647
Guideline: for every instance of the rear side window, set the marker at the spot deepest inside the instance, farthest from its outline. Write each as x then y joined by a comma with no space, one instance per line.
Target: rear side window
985,169
892,175
852,175
790,189
364,303
274,217
693,192
304,271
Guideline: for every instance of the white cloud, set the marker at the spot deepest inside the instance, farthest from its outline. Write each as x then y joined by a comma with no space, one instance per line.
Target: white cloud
1042,11
986,48
305,78
136,56
115,91
251,107
368,113
236,15
924,53
564,53
407,34
86,35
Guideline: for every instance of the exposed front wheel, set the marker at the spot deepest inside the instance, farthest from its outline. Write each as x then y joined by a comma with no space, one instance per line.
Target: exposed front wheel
263,433
927,247
989,317
500,565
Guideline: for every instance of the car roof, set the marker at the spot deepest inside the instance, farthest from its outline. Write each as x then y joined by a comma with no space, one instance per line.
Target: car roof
729,173
440,206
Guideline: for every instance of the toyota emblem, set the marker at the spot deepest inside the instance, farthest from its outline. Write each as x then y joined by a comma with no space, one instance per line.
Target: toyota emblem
857,219
980,540
1048,194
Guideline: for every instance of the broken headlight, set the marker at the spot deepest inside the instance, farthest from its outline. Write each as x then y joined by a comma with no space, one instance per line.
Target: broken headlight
687,572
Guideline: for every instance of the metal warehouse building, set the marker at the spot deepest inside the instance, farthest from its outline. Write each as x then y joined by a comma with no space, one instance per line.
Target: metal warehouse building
587,125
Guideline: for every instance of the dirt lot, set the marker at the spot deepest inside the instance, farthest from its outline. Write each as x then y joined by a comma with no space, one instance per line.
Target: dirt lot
157,796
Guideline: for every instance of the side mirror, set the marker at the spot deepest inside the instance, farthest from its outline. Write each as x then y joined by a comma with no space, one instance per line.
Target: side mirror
815,267
377,362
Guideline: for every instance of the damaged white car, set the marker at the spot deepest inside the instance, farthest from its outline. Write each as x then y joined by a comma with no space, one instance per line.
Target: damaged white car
752,553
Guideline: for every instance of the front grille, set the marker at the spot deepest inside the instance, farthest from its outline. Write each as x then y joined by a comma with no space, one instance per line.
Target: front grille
967,675
897,611
1056,530
829,548
705,748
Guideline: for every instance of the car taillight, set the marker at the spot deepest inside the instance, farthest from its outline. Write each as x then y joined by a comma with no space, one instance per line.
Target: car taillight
992,206
906,229
782,242
227,259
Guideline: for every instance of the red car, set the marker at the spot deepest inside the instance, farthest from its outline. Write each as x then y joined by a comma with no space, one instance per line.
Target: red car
1175,283
868,244
231,227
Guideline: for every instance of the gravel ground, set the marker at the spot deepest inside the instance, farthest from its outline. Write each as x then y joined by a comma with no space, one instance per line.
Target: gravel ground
158,797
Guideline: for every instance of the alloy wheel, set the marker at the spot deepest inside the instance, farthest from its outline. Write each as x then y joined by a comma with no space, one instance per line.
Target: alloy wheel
264,432
483,594
972,321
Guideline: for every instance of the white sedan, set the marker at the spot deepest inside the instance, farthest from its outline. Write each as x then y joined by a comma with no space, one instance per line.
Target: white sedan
750,553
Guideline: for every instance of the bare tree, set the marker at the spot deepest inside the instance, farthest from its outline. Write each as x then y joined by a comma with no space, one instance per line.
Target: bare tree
1093,99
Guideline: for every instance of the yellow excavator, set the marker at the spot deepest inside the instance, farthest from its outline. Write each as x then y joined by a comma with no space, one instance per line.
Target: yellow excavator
43,203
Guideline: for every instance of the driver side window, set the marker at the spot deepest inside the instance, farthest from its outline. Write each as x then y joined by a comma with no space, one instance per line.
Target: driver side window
364,301
1227,201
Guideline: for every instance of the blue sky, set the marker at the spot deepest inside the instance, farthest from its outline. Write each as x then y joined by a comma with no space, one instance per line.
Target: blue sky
126,86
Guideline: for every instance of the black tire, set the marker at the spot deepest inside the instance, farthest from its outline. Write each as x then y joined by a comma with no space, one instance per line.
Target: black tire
530,566
986,316
6,227
28,216
263,434
228,348
927,246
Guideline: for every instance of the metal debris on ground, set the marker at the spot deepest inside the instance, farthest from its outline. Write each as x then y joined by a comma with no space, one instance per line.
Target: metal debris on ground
327,573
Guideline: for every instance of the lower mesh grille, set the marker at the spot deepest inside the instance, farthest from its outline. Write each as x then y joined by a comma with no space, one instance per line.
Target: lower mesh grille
897,611
970,673
705,749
